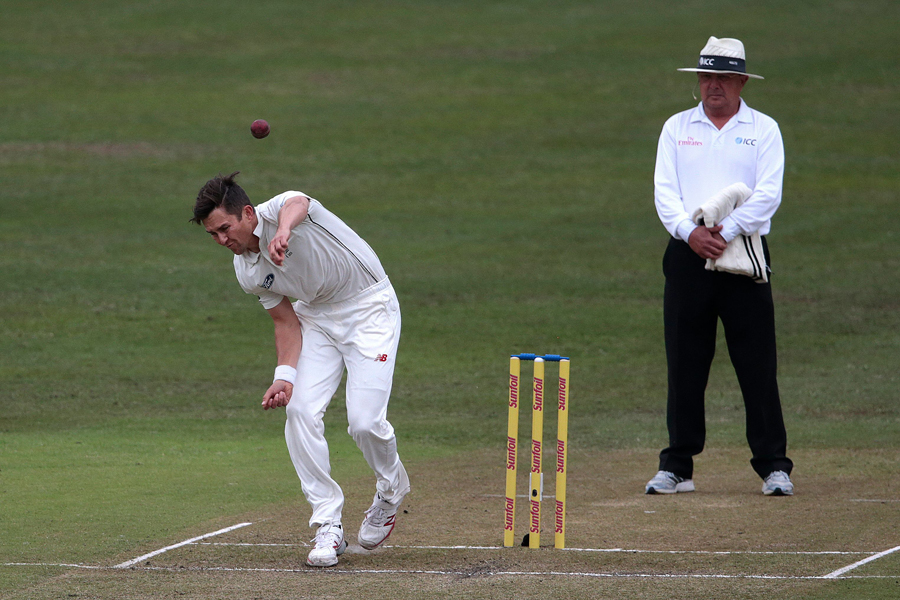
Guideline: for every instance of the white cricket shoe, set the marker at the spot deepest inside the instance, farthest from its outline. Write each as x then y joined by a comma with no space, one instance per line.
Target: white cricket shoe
378,524
778,483
330,544
666,482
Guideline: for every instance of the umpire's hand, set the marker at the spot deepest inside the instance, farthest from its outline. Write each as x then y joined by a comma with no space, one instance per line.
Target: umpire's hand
707,242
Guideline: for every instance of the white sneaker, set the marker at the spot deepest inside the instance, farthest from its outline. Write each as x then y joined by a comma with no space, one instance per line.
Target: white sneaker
666,482
778,483
378,524
330,544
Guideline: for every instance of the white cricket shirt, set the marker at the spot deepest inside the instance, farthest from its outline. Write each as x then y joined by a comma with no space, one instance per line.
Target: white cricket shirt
325,262
695,160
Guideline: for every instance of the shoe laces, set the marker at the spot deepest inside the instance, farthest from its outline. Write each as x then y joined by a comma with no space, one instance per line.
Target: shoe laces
327,537
377,516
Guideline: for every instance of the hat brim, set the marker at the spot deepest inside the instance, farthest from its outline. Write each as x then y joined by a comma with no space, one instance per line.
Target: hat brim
695,70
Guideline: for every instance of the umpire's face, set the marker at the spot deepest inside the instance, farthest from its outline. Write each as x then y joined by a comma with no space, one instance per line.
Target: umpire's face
721,92
235,232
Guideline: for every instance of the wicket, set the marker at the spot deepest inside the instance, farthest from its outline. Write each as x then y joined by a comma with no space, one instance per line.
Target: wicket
537,437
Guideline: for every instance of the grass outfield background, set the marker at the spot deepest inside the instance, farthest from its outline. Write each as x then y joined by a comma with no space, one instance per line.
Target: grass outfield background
498,156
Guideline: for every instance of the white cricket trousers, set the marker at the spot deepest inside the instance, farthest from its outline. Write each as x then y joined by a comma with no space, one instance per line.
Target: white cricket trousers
361,334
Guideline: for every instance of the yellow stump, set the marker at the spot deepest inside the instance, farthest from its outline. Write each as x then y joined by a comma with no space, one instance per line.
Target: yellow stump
562,447
512,439
537,437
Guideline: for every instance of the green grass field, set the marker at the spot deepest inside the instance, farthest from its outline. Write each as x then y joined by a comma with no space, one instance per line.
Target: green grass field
499,158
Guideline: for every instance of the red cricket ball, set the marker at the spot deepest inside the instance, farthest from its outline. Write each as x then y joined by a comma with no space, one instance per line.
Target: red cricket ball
259,129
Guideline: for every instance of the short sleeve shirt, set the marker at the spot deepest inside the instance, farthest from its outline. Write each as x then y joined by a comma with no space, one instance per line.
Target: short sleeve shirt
326,261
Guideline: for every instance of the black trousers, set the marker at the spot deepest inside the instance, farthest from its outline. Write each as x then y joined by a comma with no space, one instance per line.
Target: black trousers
695,299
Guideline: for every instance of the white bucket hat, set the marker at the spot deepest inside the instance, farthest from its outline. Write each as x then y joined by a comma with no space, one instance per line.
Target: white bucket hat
722,55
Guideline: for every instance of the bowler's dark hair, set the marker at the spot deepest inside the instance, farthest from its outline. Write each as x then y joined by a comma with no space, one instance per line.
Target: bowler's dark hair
220,192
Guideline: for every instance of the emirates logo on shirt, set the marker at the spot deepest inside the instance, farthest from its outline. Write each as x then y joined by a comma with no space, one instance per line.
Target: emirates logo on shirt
690,142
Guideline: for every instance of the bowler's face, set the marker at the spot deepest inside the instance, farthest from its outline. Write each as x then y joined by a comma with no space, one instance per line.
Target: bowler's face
228,230
721,93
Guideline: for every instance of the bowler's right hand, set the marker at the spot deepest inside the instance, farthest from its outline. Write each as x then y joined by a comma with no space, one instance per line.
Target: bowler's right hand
278,394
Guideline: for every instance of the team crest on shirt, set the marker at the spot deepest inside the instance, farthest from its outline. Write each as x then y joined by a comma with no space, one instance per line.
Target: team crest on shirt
267,283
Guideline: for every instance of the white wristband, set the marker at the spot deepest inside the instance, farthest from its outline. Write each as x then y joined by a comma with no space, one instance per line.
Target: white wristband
285,373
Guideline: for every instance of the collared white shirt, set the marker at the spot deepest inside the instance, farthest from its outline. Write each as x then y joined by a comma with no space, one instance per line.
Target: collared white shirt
695,160
325,262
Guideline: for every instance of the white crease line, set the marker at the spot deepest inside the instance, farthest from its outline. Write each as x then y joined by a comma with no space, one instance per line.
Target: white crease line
301,544
477,574
622,550
134,561
313,571
722,552
626,551
67,565
611,550
839,572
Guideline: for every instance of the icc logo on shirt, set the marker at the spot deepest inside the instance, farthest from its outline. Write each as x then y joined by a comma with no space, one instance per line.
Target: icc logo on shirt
745,142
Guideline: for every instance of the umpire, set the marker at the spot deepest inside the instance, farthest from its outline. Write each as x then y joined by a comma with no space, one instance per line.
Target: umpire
701,151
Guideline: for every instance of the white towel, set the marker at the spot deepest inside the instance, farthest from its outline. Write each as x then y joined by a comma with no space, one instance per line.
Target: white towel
744,254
